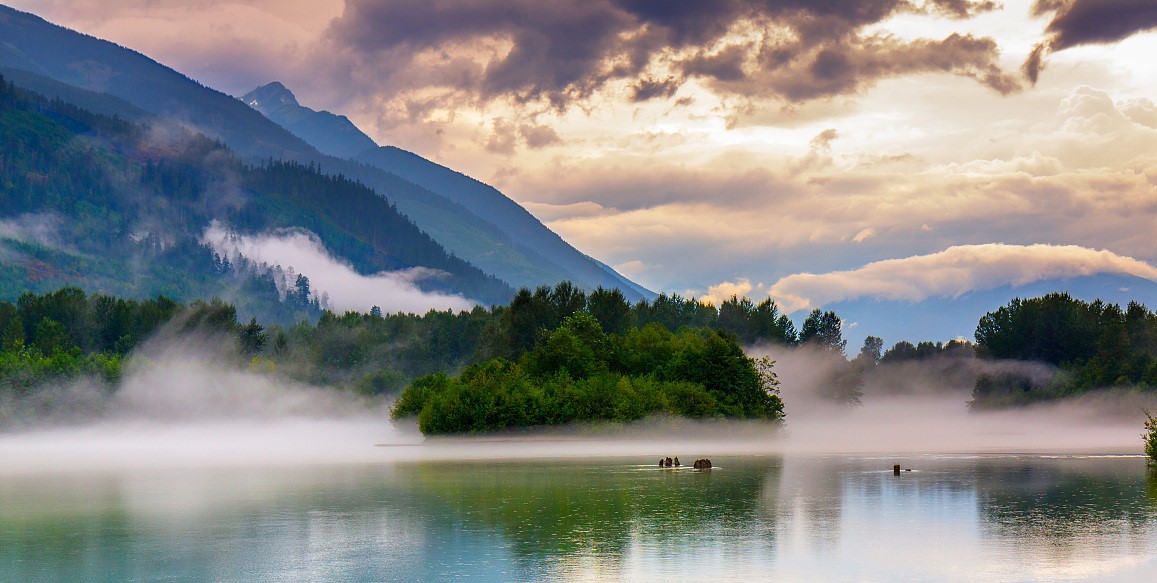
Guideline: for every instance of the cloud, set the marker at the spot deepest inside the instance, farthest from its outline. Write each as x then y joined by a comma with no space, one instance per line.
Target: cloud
553,212
232,45
560,53
952,273
1074,167
1084,22
719,293
40,228
301,250
539,136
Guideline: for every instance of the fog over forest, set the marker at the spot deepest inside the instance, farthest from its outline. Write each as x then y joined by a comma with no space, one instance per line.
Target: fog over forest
181,405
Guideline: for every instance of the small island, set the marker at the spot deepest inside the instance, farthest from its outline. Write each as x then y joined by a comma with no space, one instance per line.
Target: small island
579,373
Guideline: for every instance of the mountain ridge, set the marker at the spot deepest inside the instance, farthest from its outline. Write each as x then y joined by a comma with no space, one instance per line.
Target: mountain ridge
124,208
76,59
331,134
319,128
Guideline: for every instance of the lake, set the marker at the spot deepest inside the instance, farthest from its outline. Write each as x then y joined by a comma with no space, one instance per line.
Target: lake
752,518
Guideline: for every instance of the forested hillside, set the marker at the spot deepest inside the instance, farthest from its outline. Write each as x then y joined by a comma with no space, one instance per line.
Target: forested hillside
122,208
48,56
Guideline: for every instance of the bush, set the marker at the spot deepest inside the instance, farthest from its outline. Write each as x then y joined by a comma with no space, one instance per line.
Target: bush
1150,437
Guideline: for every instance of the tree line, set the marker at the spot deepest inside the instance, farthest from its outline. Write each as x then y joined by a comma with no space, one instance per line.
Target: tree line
573,341
1093,345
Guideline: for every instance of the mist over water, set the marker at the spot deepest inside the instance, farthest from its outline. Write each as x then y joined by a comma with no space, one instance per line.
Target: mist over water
183,403
922,406
200,469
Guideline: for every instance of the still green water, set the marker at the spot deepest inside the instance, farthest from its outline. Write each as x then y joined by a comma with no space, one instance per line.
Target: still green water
792,518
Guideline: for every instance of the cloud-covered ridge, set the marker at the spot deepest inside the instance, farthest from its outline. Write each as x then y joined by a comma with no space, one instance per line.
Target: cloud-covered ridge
952,273
347,289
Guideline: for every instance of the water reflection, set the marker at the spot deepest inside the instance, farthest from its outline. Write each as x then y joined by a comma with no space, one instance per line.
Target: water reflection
1066,517
570,517
833,518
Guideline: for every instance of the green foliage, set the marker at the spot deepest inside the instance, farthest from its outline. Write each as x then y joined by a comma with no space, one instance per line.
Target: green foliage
77,335
1095,345
872,351
1149,437
904,350
252,338
532,314
577,373
823,329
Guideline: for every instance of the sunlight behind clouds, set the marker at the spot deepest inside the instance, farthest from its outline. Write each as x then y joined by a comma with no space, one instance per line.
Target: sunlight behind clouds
667,143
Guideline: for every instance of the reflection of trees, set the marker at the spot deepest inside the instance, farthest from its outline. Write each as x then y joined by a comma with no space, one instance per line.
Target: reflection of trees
203,525
566,509
1151,486
1068,510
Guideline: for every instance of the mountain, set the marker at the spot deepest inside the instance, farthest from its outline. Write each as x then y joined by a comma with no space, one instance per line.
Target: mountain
338,136
123,208
44,51
942,319
490,204
331,134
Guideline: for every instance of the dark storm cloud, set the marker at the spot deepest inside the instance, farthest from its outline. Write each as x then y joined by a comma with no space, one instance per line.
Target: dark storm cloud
563,50
651,88
846,67
1083,22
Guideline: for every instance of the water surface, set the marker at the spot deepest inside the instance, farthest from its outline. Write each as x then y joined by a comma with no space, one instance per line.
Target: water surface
775,518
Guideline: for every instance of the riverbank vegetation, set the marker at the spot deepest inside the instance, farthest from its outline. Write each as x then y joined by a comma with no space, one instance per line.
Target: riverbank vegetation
1149,437
1093,345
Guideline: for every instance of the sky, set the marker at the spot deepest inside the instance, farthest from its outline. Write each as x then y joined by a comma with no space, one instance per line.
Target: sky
813,150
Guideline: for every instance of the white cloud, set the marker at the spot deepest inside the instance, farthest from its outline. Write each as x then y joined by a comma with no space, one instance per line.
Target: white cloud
717,294
395,291
952,273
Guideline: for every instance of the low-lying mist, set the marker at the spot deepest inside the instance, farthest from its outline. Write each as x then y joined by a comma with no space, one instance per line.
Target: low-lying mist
922,406
186,402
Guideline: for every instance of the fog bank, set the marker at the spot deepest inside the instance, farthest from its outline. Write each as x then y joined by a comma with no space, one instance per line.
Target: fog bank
922,406
182,404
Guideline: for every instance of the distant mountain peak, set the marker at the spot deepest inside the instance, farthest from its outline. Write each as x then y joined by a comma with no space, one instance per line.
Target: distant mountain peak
270,95
332,134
